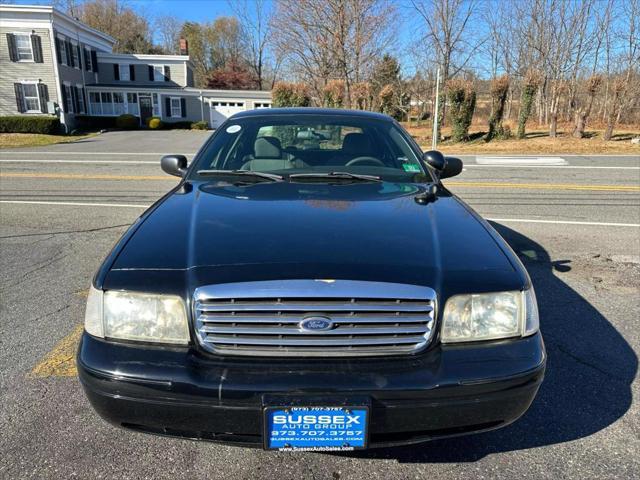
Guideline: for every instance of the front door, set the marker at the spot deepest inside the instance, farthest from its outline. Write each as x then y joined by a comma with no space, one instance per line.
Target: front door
146,108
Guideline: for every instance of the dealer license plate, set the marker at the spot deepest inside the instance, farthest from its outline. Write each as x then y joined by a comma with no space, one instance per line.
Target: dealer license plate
316,428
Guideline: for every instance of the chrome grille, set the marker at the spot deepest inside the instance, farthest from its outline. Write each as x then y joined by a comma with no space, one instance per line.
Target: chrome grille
266,318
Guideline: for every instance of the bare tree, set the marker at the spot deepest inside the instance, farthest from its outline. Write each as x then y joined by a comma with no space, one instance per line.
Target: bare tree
626,84
333,39
169,28
256,28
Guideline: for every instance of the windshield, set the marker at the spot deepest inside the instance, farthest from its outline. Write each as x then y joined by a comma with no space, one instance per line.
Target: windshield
311,148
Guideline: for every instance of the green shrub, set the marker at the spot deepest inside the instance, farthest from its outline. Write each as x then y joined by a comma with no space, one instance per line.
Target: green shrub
154,123
29,124
462,98
127,122
199,125
290,95
499,90
530,84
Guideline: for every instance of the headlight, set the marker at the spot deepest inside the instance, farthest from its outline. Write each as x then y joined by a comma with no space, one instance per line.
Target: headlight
136,316
489,316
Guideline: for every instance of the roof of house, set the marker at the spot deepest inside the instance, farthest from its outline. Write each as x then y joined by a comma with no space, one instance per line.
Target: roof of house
60,15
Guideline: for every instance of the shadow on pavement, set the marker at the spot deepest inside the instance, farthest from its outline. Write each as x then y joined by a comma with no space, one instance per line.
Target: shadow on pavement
588,380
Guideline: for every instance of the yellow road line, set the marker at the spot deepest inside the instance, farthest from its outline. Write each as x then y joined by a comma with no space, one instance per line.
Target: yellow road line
82,176
61,361
546,186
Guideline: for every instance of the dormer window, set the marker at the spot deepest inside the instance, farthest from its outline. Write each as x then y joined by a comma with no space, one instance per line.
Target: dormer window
124,72
158,73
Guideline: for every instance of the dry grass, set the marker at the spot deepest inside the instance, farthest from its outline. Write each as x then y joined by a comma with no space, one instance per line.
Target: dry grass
13,140
537,141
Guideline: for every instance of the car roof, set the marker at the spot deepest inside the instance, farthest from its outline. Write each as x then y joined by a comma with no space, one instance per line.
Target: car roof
271,112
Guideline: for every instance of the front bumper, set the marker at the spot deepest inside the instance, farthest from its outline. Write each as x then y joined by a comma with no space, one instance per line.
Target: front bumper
446,391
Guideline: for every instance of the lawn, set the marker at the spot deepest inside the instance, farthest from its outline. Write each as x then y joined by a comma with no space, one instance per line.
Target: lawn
537,141
12,140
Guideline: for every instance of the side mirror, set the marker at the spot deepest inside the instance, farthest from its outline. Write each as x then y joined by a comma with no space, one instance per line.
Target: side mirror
445,166
435,159
452,167
174,165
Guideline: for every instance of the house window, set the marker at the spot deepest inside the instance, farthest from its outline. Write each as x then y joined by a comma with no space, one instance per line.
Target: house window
87,60
80,93
31,99
75,56
62,51
124,72
118,103
24,48
158,73
94,100
176,110
156,105
68,99
107,106
262,105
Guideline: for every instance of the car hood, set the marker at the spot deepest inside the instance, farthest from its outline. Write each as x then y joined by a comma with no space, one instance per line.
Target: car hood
217,232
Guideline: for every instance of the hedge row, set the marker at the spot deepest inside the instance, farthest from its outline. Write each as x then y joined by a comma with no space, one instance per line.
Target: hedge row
30,124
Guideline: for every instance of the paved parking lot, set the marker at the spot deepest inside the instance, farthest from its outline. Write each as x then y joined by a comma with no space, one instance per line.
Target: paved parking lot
575,224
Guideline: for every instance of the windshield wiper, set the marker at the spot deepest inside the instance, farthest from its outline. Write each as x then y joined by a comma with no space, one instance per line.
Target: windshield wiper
242,173
336,175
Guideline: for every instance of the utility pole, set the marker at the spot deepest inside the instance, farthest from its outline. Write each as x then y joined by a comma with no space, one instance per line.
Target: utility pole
434,141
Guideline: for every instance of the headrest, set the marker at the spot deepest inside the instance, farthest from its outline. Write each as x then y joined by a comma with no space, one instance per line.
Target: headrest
356,144
267,147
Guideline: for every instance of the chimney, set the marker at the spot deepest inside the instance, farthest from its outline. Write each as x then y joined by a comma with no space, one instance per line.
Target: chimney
184,46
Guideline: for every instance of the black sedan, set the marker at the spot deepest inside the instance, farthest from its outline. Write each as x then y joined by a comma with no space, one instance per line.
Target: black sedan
310,284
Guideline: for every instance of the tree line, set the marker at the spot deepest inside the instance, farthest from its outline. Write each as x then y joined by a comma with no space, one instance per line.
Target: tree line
506,63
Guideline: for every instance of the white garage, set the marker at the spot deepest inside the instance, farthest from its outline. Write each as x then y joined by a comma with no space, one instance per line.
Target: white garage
221,110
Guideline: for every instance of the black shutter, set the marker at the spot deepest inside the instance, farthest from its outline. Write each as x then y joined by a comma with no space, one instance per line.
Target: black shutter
79,50
36,45
13,51
183,108
84,98
87,58
167,73
167,107
94,61
43,93
19,96
116,71
58,50
67,47
64,99
151,73
74,99
132,72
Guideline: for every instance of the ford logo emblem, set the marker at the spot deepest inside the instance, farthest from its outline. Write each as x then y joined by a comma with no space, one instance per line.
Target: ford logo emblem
315,324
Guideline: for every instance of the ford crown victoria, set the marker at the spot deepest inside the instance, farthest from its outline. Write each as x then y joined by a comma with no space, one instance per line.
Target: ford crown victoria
311,284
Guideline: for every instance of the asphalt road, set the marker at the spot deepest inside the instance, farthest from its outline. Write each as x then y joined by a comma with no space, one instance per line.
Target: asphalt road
575,222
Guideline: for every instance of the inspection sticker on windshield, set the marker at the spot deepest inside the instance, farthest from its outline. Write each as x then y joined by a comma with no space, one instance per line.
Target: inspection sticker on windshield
316,428
411,167
233,128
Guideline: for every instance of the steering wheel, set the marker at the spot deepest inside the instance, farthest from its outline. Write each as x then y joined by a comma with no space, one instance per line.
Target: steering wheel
365,161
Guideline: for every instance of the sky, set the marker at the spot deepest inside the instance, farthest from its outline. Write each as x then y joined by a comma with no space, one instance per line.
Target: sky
197,10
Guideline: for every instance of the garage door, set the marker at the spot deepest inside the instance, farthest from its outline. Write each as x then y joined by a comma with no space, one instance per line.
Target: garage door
220,111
